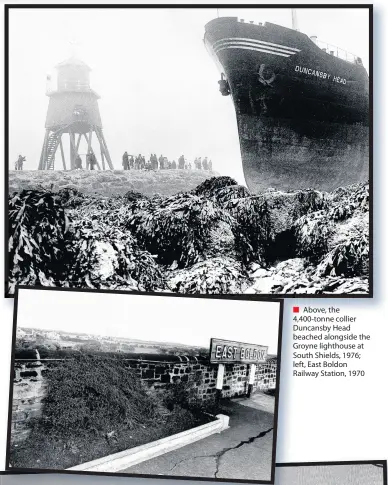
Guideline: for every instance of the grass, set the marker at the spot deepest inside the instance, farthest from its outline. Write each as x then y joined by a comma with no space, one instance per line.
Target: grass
108,183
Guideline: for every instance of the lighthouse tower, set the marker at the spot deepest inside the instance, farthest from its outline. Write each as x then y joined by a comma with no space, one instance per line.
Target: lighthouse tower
73,109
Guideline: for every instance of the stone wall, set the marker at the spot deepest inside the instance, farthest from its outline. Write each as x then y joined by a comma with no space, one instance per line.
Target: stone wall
29,390
30,384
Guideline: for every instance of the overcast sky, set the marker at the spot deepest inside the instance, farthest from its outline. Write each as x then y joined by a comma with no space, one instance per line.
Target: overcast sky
157,82
191,321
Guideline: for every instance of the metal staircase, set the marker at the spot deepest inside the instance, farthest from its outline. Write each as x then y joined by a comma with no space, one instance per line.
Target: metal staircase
52,145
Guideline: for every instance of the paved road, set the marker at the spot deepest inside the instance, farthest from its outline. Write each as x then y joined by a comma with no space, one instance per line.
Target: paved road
244,451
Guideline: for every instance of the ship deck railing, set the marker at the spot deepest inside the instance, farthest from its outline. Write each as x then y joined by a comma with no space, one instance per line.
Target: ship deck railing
338,52
325,46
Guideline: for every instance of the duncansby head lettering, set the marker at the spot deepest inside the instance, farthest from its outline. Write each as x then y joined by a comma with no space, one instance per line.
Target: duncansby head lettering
319,74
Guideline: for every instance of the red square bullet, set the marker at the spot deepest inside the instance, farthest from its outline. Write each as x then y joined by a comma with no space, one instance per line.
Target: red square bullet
295,309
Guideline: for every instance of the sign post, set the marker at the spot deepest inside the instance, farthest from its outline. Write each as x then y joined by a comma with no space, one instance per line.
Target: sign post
251,378
220,380
224,352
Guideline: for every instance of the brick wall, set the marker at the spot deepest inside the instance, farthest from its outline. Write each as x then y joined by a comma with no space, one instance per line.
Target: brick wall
30,384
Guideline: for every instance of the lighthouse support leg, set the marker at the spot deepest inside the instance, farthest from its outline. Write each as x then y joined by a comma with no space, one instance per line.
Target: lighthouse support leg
102,158
62,153
104,147
78,141
72,150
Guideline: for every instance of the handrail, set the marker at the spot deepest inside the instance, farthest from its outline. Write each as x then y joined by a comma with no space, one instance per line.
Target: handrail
337,51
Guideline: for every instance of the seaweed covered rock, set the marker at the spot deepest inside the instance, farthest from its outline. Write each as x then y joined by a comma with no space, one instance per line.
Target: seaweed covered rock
251,227
346,201
70,197
230,192
312,234
37,241
349,258
107,257
285,208
210,187
177,228
133,195
213,276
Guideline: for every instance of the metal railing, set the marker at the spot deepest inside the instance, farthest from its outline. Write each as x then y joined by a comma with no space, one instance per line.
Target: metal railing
325,46
337,51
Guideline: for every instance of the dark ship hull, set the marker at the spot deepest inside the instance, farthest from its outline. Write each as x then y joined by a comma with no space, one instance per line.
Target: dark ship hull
302,113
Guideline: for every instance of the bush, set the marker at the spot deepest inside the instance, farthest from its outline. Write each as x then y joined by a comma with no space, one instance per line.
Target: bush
93,394
107,257
37,242
213,276
175,229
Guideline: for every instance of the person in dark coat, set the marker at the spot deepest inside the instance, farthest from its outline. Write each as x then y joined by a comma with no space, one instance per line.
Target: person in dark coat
181,162
125,162
154,162
92,161
19,163
78,162
131,162
143,162
161,162
204,163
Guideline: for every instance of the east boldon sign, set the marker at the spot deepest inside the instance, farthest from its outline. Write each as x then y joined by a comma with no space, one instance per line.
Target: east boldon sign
229,352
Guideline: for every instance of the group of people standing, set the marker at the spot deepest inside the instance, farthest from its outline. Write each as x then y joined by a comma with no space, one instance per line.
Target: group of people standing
91,162
139,162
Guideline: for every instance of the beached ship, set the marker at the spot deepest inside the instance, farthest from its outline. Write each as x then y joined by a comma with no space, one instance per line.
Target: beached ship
302,107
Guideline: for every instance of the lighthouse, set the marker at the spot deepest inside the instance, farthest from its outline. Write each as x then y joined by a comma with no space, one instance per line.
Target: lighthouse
73,110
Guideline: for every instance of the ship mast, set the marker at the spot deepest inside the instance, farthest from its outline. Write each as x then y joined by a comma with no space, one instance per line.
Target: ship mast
294,19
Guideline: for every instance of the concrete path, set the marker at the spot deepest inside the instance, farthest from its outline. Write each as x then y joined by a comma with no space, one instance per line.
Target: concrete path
261,401
244,451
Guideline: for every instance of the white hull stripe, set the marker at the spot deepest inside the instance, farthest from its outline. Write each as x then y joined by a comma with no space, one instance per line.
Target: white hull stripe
254,41
250,44
266,51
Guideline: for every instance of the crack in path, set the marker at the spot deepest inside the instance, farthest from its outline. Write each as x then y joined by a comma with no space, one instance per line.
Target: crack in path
221,453
217,456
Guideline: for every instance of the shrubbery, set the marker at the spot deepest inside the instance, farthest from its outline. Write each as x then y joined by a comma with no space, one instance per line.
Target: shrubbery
93,394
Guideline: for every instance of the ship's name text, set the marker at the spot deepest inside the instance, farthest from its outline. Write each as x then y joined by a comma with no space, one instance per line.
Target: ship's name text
321,74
